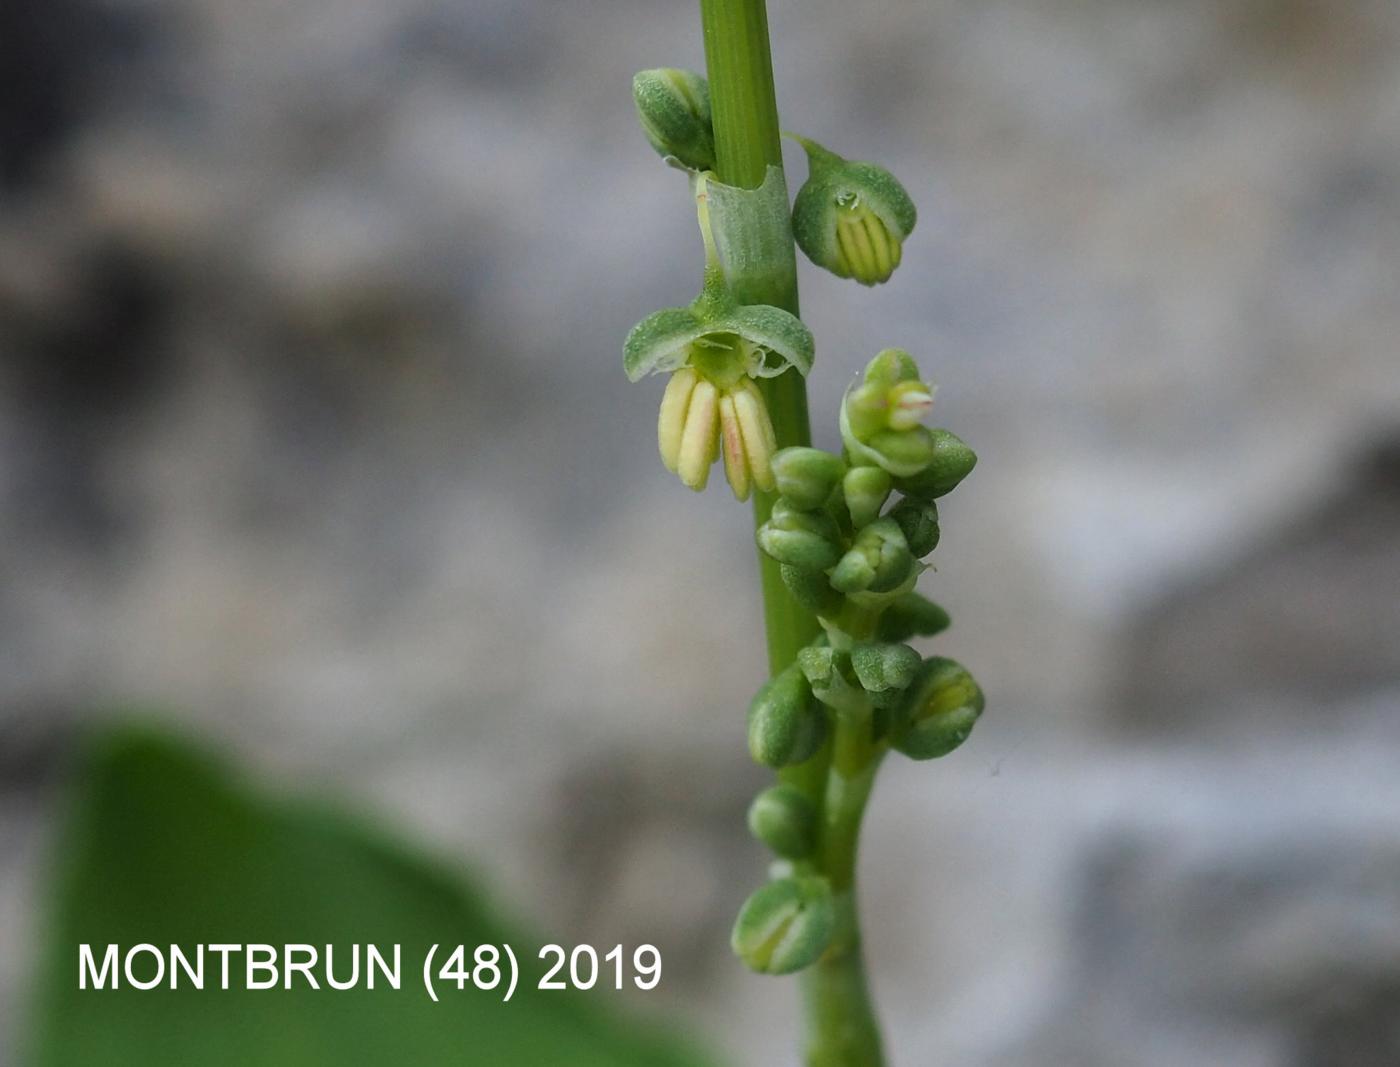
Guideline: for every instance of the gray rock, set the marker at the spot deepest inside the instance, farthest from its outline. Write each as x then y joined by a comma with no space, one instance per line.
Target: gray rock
1302,618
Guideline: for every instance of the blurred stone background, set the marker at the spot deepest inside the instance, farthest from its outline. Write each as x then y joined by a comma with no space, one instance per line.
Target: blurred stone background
314,437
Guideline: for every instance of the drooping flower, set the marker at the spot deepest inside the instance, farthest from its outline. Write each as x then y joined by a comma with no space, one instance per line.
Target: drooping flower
716,350
851,217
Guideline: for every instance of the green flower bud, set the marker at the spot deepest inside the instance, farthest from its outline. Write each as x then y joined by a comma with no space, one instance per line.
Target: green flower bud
911,615
850,217
919,521
818,664
878,562
785,926
786,724
939,710
673,107
807,476
808,540
812,590
880,417
784,820
952,461
866,489
881,667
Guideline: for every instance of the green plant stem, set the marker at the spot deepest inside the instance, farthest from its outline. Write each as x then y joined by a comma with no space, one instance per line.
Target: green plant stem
745,114
841,1028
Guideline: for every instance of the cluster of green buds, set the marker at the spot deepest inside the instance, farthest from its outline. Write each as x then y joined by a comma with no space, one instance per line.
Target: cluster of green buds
850,533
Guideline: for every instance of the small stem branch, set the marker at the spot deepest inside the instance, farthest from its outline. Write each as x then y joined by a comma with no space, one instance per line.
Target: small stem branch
841,1030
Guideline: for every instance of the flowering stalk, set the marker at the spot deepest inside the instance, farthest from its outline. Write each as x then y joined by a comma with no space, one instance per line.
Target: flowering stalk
840,537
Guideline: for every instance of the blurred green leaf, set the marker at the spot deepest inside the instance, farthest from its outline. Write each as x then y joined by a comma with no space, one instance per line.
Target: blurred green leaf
163,847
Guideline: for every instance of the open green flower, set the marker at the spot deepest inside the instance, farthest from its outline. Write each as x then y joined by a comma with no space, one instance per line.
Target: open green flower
715,349
851,217
880,416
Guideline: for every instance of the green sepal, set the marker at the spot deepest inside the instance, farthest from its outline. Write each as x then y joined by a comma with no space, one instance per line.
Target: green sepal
786,723
797,548
919,521
784,820
823,669
775,339
660,342
673,107
940,708
832,180
951,462
782,339
911,615
878,562
811,589
866,489
884,701
818,665
901,452
891,367
806,477
785,926
881,668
